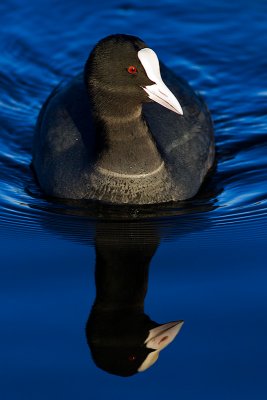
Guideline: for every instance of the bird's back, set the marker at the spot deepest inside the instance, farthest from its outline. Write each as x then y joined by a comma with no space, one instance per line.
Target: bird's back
63,148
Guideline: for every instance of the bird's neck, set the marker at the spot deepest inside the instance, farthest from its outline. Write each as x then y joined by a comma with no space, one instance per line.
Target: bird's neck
125,144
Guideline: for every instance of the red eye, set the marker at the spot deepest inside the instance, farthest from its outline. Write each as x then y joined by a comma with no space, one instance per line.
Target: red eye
132,70
132,358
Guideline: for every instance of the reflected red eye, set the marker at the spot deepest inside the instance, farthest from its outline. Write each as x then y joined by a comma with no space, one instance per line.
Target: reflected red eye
132,70
132,358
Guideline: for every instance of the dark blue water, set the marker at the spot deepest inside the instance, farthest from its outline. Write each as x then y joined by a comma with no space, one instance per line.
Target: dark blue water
209,268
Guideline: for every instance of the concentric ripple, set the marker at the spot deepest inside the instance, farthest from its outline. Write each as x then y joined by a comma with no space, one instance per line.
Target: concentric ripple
213,50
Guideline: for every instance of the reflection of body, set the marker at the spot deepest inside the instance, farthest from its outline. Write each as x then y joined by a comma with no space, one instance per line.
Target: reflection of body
124,250
122,338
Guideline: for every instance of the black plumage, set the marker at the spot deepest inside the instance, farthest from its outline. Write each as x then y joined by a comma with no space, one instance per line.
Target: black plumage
100,137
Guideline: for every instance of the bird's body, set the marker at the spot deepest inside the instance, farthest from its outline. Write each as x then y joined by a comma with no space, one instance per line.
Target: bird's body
98,140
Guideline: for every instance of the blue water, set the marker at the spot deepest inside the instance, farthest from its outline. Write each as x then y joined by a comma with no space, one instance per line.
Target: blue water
210,266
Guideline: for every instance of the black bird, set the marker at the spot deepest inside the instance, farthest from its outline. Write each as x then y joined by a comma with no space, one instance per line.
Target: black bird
122,338
97,138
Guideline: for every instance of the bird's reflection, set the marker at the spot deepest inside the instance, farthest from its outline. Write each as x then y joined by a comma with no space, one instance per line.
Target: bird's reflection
122,338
